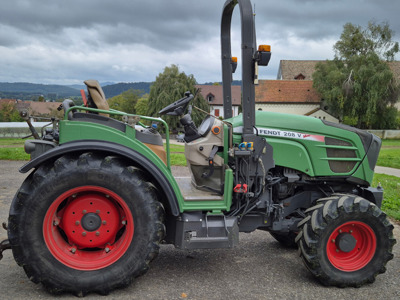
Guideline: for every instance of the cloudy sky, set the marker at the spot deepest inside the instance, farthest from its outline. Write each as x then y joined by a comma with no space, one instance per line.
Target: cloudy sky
68,41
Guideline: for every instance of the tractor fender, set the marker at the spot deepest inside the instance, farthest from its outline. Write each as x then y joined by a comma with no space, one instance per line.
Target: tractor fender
143,162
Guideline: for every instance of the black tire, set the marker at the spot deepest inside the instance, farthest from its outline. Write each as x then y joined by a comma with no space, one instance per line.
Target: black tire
345,240
286,240
121,189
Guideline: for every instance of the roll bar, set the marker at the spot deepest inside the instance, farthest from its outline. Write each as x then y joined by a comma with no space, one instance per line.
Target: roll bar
249,60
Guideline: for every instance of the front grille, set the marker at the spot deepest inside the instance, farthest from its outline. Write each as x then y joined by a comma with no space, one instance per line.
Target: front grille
337,165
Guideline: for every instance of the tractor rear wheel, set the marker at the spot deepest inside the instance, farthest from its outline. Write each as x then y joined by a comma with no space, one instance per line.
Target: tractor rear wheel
345,240
85,223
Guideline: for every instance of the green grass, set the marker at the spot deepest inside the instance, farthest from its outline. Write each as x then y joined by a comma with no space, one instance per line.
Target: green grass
391,200
390,143
177,155
178,159
12,142
390,154
11,153
177,148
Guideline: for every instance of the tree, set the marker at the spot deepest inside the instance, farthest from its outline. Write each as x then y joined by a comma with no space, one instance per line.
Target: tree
9,113
170,86
358,84
126,101
142,105
376,38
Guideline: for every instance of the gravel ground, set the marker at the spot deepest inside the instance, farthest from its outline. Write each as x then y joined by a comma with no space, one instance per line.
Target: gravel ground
259,268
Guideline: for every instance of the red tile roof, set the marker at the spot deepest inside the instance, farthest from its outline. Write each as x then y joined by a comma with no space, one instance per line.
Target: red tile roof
216,91
35,108
42,107
286,91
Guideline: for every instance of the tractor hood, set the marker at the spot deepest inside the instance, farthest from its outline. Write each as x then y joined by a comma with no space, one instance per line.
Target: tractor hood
302,127
344,148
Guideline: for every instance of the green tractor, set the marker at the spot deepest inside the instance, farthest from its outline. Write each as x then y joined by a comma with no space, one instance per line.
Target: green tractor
101,197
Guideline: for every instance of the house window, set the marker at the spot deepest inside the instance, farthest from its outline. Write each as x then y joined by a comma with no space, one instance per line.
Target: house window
216,112
300,77
210,97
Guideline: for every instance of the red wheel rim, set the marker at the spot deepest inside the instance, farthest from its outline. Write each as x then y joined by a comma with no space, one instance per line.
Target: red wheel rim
88,228
363,251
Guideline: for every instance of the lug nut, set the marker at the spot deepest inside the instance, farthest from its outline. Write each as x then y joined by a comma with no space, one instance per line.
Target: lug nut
84,233
123,222
73,250
107,249
98,211
97,233
340,230
77,223
104,222
84,211
55,223
337,250
333,240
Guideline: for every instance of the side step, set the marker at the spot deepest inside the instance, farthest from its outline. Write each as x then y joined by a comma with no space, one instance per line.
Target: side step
200,231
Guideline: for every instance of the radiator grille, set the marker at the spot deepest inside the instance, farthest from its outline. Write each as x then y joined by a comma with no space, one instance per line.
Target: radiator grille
338,166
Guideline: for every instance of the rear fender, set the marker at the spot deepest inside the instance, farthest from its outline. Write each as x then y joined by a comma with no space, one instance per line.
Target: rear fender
162,177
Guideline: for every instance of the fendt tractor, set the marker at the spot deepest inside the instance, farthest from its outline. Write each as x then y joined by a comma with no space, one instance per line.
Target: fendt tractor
101,197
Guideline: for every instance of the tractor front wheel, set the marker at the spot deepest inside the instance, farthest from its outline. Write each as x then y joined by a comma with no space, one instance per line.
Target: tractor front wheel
345,241
85,223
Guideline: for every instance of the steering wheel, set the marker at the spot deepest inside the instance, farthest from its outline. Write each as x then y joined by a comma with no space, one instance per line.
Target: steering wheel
178,107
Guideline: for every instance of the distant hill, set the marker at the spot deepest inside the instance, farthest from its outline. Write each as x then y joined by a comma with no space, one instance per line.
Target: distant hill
83,87
118,88
28,91
24,90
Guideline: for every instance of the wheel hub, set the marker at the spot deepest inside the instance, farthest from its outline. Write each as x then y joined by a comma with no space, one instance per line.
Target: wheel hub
91,222
351,246
345,242
88,228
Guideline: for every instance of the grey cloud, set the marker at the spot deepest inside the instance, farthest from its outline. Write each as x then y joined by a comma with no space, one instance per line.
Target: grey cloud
119,40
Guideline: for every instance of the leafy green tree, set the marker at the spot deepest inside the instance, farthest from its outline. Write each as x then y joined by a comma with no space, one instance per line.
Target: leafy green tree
375,38
126,101
357,84
170,86
142,105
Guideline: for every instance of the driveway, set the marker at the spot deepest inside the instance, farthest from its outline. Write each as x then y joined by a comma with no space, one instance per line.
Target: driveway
259,268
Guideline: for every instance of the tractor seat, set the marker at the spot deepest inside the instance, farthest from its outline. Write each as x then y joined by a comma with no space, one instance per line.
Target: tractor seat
96,98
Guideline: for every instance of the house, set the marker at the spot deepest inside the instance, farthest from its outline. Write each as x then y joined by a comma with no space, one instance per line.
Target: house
43,109
296,69
291,96
303,70
7,102
214,96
